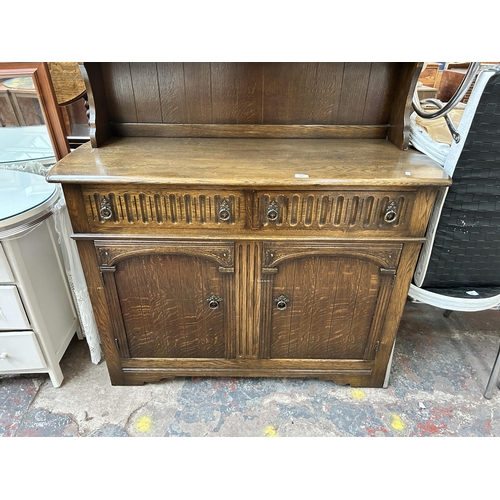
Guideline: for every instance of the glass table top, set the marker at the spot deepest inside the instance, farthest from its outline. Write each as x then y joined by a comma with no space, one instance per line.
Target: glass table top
18,144
22,191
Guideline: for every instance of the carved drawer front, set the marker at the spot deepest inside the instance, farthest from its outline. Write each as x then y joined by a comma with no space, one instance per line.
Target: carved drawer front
141,209
334,211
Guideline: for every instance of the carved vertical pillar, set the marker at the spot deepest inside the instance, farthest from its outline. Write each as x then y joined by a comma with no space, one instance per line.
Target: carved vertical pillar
248,263
120,338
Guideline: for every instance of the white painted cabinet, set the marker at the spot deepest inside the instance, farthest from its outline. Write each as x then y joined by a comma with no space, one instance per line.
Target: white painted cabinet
37,314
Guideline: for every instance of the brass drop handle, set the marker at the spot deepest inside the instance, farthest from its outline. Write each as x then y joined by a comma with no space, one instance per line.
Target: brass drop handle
391,213
106,211
224,211
272,211
214,302
281,302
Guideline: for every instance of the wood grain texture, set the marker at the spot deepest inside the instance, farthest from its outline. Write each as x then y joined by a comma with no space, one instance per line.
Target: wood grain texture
118,88
67,81
162,299
172,95
342,372
243,131
394,310
101,309
233,93
381,89
247,276
333,298
343,270
359,377
144,78
76,207
145,209
354,93
399,124
98,113
249,162
334,211
169,208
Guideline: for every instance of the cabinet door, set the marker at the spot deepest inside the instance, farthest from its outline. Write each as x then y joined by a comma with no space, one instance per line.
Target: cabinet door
169,301
326,301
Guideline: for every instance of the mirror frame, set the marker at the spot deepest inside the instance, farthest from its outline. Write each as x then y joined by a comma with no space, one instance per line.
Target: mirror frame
47,98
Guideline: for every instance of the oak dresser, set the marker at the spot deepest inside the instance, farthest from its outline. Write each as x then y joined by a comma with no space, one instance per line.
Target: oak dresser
249,219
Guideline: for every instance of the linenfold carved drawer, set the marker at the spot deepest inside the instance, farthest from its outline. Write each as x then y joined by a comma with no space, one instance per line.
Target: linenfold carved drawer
334,211
137,208
341,211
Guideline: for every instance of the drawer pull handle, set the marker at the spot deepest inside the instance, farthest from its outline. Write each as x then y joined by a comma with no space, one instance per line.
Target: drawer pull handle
281,302
3,355
224,211
106,211
391,213
272,211
214,302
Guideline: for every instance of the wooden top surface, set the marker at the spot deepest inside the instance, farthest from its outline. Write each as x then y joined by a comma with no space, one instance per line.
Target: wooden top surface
67,81
248,162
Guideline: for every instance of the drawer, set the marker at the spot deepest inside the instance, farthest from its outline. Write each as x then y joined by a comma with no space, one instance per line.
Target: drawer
143,209
12,315
334,211
20,351
6,275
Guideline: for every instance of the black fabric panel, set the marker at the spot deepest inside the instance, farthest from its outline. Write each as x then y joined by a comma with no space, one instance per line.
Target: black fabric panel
466,249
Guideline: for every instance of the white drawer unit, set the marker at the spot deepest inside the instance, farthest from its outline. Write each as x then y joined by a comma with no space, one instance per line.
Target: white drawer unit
5,272
20,351
12,315
38,318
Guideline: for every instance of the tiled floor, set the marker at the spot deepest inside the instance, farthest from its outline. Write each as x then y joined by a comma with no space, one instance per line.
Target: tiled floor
440,369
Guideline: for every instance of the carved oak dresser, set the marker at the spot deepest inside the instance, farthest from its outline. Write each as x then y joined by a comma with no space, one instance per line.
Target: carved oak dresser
249,219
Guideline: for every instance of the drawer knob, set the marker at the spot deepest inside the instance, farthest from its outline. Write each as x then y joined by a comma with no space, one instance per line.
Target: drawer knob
391,213
106,210
272,211
224,211
3,355
281,302
214,301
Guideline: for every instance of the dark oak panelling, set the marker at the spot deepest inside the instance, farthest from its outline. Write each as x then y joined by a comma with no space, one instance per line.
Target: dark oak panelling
119,92
159,298
172,94
248,256
165,310
332,302
147,103
316,291
250,93
174,130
